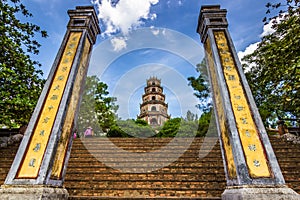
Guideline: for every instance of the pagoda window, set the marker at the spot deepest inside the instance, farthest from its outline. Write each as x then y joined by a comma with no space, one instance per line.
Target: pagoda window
153,121
153,89
153,98
153,83
153,108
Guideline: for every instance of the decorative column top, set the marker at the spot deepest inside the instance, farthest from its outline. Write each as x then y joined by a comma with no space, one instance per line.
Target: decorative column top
211,16
84,18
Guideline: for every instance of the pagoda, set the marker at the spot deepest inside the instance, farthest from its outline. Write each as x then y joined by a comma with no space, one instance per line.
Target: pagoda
154,110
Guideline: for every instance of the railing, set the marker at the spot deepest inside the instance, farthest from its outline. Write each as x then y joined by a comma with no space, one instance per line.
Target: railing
283,128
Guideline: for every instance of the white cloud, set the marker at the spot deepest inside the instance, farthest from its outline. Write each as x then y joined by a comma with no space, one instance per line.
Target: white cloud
118,43
125,15
153,16
250,49
267,30
154,30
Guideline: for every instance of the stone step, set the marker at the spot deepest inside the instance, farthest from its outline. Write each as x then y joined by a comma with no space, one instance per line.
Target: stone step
140,198
145,193
132,162
204,177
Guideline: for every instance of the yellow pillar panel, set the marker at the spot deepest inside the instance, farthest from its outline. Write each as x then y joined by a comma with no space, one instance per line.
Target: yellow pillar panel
220,111
253,149
68,125
35,151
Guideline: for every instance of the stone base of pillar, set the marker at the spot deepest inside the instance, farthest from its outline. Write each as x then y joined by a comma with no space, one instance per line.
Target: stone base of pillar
26,192
259,193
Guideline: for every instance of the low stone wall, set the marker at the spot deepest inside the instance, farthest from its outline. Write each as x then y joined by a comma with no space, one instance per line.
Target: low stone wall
291,137
11,136
6,141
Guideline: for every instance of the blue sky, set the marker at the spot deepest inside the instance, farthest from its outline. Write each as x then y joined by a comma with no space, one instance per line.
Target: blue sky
143,38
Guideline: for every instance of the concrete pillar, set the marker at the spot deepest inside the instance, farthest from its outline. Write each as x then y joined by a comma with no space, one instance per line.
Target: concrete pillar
251,167
40,164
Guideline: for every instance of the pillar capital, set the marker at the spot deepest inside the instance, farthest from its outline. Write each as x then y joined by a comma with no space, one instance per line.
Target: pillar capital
211,16
84,18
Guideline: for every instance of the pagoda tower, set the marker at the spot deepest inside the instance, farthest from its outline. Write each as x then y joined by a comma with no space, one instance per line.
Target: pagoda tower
154,110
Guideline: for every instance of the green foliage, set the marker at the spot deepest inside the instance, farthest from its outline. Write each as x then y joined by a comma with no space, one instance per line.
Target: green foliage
201,87
131,128
191,126
116,131
274,77
203,124
141,122
170,128
20,82
136,128
105,107
191,116
174,127
187,128
97,109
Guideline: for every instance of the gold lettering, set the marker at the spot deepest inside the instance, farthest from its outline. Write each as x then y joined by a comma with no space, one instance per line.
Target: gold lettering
42,132
64,69
248,133
228,68
66,60
256,163
56,87
50,107
37,147
252,147
240,108
46,120
60,78
244,120
32,162
231,77
54,97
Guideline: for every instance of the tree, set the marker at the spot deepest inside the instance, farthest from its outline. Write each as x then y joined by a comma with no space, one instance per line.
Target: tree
201,86
105,107
191,116
170,128
116,131
202,92
203,123
97,109
131,128
20,81
274,77
179,127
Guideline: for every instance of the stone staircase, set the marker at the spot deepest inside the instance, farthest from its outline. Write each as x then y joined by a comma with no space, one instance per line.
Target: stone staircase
101,168
131,173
